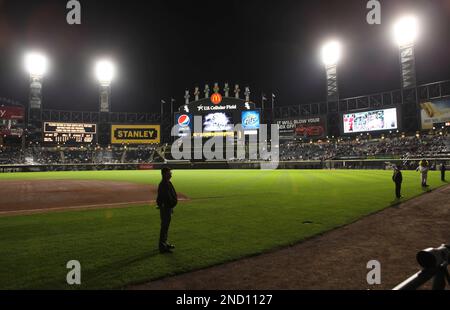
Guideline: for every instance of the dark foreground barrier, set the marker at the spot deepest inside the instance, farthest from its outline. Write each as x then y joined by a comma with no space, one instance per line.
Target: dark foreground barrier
434,263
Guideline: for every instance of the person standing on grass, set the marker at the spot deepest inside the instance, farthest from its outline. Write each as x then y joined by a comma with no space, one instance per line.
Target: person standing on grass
167,200
443,168
424,168
398,179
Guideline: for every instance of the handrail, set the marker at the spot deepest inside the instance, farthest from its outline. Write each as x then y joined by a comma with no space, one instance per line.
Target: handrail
434,262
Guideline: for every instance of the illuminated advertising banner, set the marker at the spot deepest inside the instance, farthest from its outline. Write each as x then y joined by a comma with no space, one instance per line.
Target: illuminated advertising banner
135,134
12,113
377,120
11,120
228,134
312,127
251,120
184,124
218,122
217,103
69,132
434,112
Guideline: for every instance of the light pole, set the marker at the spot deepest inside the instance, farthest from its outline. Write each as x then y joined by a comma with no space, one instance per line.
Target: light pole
36,65
273,108
172,102
163,102
331,54
405,32
105,71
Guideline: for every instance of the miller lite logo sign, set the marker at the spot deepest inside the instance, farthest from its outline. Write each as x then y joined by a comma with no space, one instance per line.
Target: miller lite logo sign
216,98
250,120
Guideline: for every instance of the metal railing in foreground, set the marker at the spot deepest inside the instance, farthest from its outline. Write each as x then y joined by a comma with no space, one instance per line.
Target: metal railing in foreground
434,263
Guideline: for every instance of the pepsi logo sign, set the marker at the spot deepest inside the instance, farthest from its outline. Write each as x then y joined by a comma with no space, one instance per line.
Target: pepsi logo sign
184,120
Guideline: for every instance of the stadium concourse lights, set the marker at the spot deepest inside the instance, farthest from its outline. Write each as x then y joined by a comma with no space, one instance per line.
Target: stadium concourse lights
406,30
331,53
105,71
36,64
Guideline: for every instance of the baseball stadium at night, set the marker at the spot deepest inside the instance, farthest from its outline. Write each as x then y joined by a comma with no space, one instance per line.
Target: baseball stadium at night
203,147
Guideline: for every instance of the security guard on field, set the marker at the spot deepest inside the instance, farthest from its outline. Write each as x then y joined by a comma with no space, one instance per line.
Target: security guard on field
443,169
398,179
167,200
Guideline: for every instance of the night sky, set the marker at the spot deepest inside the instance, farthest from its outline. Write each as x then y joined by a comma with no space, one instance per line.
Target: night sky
163,47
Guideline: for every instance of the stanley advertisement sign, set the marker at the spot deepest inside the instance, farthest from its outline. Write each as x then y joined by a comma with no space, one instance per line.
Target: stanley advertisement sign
135,134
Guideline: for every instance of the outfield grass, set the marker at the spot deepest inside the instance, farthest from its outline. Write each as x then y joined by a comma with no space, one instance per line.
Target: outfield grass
232,214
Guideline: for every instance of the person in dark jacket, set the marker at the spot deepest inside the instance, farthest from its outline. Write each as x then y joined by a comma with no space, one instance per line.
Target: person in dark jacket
398,179
167,200
443,169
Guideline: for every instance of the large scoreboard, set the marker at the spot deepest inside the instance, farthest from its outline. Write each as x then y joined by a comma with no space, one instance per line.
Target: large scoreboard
217,117
55,132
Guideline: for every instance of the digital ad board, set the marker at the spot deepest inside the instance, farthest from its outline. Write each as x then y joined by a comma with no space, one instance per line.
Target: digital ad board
219,121
251,120
11,120
434,112
57,132
311,127
135,134
369,121
12,113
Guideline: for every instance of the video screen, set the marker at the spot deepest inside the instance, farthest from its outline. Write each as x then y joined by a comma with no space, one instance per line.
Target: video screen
434,112
370,121
218,122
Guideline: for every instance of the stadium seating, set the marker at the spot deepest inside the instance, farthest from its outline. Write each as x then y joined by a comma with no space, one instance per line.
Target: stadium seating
412,147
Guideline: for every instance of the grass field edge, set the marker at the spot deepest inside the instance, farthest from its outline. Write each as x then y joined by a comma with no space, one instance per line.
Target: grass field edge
287,245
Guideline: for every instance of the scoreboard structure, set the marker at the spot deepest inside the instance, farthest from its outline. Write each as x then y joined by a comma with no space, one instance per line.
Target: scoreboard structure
56,132
216,117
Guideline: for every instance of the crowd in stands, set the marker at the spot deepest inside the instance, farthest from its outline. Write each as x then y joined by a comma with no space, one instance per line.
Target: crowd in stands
38,155
140,155
400,147
395,147
9,156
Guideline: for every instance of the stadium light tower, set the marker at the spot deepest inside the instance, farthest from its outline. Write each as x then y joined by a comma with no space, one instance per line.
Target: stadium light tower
105,71
331,55
405,34
36,64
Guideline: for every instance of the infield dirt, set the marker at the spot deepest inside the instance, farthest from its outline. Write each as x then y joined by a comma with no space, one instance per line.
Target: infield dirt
37,196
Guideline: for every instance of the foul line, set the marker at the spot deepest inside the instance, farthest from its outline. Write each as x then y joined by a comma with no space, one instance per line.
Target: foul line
96,206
